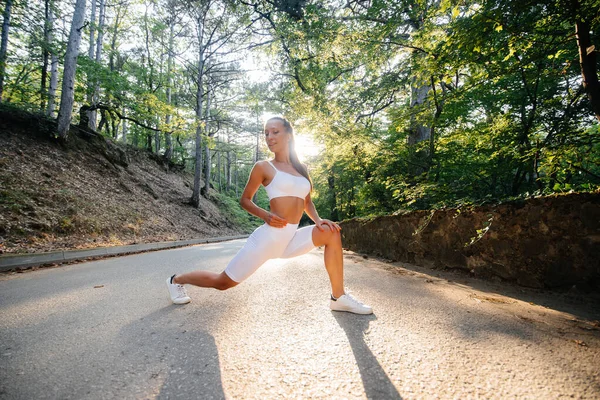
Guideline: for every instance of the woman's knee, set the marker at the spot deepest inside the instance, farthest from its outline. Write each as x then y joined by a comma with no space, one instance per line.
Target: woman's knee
336,236
327,236
224,282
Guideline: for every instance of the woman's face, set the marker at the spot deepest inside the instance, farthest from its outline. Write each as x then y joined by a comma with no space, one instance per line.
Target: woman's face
276,136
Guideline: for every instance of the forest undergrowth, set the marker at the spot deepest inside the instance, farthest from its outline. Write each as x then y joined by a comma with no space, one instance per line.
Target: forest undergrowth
91,192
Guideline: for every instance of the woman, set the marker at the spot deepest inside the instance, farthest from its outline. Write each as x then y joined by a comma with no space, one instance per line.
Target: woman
288,187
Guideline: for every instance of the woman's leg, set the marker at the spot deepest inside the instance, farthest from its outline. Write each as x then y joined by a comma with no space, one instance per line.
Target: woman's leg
264,243
206,279
334,262
304,240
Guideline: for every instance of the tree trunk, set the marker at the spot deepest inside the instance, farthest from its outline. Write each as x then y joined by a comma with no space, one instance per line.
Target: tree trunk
588,63
148,52
92,30
257,149
4,43
219,169
258,134
99,42
113,41
113,67
95,85
157,139
178,139
439,104
228,162
70,65
124,137
228,171
168,139
518,179
199,114
91,115
53,84
102,121
168,146
418,132
100,39
45,54
235,173
115,127
333,203
53,67
207,160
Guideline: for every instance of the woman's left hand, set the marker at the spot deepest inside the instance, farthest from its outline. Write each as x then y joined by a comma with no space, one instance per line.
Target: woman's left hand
321,224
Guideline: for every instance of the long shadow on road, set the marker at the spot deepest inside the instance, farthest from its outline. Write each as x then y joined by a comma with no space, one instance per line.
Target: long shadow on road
180,360
376,382
580,304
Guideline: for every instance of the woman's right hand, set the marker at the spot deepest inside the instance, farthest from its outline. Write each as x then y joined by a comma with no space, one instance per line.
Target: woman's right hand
275,221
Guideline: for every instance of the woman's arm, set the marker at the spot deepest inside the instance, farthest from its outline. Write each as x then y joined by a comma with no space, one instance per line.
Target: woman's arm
311,211
256,178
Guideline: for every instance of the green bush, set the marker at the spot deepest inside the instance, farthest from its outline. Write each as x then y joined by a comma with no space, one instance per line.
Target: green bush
229,205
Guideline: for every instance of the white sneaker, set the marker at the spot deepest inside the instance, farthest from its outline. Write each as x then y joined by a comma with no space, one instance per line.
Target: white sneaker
348,303
177,292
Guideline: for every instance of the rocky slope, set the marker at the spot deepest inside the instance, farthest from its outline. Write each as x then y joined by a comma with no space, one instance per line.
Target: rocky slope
90,192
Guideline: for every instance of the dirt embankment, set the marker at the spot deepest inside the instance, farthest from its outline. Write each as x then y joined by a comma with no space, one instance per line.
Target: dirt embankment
547,242
91,192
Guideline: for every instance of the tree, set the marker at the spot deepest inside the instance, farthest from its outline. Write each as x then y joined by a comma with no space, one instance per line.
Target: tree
586,14
170,56
201,16
48,22
51,93
98,58
419,104
217,31
460,100
4,43
70,66
207,127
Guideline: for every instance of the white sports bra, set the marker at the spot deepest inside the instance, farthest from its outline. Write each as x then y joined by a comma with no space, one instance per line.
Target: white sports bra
285,184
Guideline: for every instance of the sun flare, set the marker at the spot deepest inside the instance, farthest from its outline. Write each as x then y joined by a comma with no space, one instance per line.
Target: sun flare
306,147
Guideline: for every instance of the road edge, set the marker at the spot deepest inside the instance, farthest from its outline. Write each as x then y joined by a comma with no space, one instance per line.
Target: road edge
10,262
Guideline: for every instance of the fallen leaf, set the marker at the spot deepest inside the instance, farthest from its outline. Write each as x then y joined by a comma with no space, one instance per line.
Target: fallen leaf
525,318
590,49
490,299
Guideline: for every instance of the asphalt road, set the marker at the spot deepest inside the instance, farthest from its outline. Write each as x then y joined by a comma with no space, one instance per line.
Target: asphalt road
106,330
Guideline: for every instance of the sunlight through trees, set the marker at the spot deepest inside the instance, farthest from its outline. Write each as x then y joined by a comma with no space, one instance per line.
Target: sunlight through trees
403,104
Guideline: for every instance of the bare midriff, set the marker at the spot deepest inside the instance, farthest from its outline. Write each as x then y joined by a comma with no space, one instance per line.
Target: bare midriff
289,208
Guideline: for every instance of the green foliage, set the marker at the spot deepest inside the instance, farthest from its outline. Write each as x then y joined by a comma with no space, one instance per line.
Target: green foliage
14,200
229,205
481,232
493,88
504,101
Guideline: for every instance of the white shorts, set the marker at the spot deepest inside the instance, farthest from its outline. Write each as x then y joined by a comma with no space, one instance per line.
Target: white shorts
266,243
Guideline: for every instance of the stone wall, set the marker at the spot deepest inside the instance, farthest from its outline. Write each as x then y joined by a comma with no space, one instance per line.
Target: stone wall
543,242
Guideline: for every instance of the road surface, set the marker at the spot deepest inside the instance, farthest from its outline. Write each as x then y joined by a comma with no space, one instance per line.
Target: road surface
106,330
